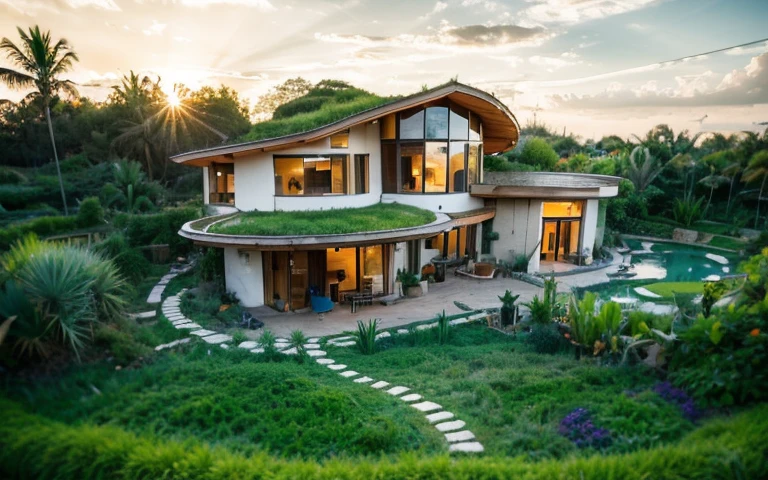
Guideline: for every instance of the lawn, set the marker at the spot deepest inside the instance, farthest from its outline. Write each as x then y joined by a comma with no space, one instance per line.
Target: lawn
669,289
513,399
381,216
730,243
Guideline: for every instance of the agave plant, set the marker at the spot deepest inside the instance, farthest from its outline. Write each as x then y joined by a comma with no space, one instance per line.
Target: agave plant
267,341
297,340
29,328
365,337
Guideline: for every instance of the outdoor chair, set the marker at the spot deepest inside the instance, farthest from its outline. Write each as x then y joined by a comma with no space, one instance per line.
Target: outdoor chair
320,304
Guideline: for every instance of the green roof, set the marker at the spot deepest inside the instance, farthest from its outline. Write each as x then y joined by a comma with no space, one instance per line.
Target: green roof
378,217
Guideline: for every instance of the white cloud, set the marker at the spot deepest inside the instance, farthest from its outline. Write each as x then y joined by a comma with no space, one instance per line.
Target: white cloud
489,5
154,29
750,50
638,27
265,5
439,7
102,4
577,11
550,63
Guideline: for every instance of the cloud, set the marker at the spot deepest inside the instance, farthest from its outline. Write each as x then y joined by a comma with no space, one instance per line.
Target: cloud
489,5
551,63
745,86
439,7
264,5
33,7
154,29
750,50
578,11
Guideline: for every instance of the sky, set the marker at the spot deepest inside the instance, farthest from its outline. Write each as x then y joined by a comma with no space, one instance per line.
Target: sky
590,67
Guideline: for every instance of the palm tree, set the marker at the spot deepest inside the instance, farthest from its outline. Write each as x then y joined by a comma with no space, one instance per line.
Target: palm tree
642,168
756,169
713,181
40,64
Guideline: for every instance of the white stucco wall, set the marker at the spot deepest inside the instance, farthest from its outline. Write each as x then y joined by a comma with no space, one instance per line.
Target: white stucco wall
518,222
245,280
590,225
444,203
206,187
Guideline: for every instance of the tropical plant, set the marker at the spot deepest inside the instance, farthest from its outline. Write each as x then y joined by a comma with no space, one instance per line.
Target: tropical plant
443,328
508,307
642,168
41,63
713,181
407,279
298,340
687,211
130,189
267,342
757,169
540,309
596,331
365,337
713,291
90,213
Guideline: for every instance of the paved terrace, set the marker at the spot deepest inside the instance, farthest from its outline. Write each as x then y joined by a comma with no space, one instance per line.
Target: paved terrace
472,292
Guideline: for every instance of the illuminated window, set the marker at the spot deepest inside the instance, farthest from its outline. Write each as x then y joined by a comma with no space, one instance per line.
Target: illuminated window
435,167
456,169
473,165
412,167
311,175
562,209
388,127
361,174
340,140
221,181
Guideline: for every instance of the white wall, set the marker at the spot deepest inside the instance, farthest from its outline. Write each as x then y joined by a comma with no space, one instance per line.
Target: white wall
518,222
206,186
444,203
255,173
590,226
245,280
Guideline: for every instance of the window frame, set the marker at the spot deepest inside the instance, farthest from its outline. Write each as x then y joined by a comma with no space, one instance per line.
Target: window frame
344,132
345,174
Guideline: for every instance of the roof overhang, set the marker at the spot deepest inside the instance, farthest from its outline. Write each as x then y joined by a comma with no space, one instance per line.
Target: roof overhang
500,127
546,185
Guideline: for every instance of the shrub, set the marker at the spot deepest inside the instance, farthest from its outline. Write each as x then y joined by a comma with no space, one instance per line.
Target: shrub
443,328
90,213
239,337
678,397
131,262
538,152
365,337
15,197
40,226
520,264
11,177
688,211
120,339
508,307
159,228
577,427
545,338
211,265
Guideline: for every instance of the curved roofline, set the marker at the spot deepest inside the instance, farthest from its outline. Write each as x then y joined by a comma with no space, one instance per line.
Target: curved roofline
356,119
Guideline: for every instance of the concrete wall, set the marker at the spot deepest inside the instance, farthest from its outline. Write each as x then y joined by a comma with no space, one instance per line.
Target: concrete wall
246,280
444,203
255,173
589,227
518,222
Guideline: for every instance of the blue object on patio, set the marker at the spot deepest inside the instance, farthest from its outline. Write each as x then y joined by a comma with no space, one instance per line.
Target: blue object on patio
319,303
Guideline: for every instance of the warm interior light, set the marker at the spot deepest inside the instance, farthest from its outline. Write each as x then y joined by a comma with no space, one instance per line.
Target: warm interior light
218,174
415,172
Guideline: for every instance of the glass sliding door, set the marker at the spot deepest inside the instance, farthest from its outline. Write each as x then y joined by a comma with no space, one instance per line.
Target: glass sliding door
560,240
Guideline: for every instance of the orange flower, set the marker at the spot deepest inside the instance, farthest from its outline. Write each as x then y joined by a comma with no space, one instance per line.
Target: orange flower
755,332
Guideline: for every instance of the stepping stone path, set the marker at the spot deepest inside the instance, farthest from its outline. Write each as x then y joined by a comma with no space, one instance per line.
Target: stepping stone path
460,441
142,315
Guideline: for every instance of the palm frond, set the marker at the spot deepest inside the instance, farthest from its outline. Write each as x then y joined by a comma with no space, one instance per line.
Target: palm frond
16,80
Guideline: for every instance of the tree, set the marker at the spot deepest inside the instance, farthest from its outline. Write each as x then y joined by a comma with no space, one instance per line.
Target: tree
291,89
537,151
41,63
757,169
642,168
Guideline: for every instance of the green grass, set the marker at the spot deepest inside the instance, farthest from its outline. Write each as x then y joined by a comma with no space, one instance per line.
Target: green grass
303,122
669,289
730,243
381,216
513,399
234,400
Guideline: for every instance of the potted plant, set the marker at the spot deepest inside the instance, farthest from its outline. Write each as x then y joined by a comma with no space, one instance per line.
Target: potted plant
410,283
508,308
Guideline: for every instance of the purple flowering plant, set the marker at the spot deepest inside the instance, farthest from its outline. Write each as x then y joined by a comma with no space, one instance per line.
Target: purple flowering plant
577,426
677,396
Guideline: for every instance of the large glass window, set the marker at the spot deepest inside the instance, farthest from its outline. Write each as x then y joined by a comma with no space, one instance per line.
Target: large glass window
459,123
311,175
411,167
457,167
412,124
473,163
389,167
562,209
388,127
361,174
437,122
435,167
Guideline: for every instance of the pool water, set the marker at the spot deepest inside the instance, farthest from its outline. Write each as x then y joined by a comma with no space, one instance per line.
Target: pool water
673,262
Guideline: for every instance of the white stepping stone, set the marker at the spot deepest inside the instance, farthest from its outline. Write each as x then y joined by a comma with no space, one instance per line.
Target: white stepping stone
282,346
174,316
325,361
248,344
316,353
188,326
257,350
202,333
339,339
477,316
149,314
426,326
439,417
449,426
344,344
290,351
281,340
379,385
337,366
468,447
426,406
411,398
313,340
218,338
397,390
184,340
177,322
156,295
363,380
402,331
462,436
383,335
311,346
224,346
458,321
349,373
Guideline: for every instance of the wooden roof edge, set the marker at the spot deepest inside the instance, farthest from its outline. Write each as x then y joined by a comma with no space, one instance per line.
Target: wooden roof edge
352,120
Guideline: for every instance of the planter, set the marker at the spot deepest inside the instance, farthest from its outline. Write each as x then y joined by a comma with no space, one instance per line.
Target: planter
414,291
484,269
424,286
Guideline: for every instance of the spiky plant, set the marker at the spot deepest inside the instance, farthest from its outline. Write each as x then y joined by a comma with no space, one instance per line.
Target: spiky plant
267,341
642,168
297,340
365,337
443,328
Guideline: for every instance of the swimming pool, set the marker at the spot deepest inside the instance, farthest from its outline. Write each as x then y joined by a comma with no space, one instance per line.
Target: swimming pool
674,262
